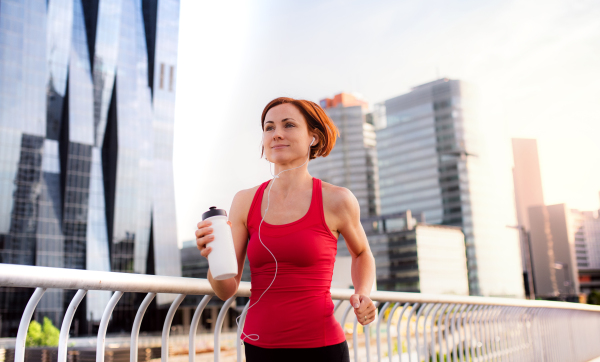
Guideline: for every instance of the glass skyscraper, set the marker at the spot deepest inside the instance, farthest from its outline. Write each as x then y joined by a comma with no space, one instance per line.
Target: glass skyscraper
352,163
87,93
433,159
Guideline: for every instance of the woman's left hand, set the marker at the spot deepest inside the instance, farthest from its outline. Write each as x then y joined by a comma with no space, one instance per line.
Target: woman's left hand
363,308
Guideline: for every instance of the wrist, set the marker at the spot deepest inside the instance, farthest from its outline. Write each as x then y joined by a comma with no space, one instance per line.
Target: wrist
362,292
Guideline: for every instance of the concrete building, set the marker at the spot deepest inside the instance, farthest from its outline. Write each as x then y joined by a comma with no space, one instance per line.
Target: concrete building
353,161
435,159
553,251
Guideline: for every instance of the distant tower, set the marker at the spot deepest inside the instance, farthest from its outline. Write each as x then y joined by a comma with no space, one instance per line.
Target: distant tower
433,159
527,178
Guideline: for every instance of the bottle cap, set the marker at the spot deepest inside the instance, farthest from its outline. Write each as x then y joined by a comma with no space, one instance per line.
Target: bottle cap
213,211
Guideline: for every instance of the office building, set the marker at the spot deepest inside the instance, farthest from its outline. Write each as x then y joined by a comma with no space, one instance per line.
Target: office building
413,256
353,161
586,229
87,94
527,178
586,225
434,158
553,251
527,181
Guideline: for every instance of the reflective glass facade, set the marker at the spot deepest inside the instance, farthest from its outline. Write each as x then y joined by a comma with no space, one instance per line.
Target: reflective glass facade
352,163
433,160
86,138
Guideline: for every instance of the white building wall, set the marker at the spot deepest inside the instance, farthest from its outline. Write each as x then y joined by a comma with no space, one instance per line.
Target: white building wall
442,261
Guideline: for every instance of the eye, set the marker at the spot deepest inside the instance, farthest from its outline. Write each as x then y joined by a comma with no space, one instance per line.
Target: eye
268,128
290,124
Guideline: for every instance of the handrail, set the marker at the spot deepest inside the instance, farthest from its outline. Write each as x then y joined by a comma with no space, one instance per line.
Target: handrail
460,328
25,276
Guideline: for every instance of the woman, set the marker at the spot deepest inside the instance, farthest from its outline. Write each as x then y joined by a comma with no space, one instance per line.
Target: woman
292,250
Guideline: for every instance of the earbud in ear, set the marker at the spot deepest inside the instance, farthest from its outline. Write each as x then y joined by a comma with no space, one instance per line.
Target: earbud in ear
312,141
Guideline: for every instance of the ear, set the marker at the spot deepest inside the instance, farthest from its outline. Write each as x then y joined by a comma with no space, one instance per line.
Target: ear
316,137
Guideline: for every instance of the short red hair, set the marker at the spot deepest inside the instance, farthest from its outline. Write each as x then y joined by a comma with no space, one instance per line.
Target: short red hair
317,120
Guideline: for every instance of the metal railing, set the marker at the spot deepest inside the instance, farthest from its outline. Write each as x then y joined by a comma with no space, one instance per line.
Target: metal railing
409,327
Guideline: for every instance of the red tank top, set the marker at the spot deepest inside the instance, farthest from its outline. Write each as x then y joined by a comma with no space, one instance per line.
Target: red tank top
297,310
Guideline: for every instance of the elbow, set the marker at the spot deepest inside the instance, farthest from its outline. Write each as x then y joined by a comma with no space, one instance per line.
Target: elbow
227,292
223,297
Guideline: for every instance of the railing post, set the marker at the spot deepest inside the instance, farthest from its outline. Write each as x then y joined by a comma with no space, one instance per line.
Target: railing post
378,331
412,311
135,329
423,307
454,334
432,335
472,334
194,327
24,324
164,348
426,348
486,332
447,330
399,336
389,327
104,325
218,326
240,329
355,338
463,347
66,325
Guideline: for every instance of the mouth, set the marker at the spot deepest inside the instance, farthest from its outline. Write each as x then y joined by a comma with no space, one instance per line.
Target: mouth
278,147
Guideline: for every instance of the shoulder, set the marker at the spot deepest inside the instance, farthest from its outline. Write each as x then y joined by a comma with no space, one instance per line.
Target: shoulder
245,197
242,201
339,199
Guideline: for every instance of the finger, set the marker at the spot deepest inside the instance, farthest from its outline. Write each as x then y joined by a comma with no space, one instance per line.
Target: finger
204,231
229,223
355,301
204,223
205,252
201,242
363,307
370,318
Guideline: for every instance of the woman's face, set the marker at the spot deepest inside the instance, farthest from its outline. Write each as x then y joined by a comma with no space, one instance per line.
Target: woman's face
285,134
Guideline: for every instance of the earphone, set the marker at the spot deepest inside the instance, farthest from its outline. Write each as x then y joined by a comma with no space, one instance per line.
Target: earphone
259,226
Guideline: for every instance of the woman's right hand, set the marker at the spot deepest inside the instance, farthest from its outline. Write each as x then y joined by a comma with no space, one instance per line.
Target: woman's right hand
203,237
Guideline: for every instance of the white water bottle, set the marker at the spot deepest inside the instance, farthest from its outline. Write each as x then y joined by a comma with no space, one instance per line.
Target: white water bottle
222,261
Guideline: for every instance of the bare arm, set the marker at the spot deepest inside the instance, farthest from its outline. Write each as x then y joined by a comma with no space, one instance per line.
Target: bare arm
363,263
345,216
225,289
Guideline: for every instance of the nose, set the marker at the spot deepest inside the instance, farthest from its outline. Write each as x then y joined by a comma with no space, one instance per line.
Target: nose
277,133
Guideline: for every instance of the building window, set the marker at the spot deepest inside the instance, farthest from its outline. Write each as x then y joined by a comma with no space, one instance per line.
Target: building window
171,76
162,75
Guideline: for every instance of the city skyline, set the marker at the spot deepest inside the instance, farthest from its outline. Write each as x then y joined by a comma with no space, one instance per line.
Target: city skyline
533,70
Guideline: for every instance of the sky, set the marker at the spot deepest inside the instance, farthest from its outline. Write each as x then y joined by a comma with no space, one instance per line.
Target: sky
534,64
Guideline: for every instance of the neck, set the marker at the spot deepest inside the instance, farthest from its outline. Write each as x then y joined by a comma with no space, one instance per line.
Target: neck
292,179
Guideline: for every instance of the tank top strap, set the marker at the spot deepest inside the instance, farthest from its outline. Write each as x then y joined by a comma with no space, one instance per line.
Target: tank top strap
254,215
318,204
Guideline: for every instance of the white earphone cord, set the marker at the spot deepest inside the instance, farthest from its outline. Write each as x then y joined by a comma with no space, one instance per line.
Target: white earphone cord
261,221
